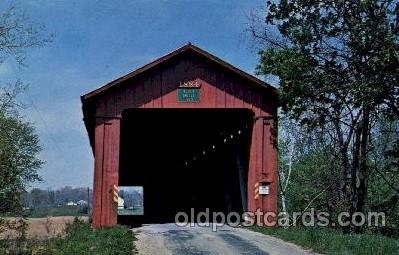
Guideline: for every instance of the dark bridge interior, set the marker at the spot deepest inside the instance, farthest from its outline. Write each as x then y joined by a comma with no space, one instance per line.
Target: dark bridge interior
185,158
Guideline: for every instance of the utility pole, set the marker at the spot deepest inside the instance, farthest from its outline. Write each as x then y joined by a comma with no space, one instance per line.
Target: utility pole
88,201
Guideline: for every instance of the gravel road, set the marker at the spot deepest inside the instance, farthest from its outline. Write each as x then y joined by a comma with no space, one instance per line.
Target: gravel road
162,239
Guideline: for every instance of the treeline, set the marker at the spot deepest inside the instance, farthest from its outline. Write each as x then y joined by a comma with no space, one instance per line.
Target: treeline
309,171
132,198
337,66
40,198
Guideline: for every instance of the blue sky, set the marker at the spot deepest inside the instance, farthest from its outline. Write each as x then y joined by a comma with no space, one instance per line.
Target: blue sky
98,41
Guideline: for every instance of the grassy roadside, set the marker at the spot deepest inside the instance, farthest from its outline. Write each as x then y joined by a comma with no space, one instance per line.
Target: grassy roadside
328,241
79,239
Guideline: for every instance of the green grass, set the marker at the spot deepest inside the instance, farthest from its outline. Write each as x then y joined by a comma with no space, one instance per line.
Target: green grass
56,211
80,239
135,211
328,241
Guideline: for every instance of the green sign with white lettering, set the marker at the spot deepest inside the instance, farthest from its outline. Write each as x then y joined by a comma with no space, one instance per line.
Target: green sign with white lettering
188,95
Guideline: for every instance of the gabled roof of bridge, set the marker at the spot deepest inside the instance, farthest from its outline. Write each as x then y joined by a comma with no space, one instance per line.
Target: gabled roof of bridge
177,52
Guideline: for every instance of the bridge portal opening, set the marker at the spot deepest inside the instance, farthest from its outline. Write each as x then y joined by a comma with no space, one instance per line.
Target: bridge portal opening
185,158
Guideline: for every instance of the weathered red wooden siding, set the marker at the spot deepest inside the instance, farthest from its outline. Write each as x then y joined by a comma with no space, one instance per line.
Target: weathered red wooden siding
157,89
105,170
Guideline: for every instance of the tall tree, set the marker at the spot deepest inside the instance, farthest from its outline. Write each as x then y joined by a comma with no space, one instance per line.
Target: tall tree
18,34
338,67
19,144
19,148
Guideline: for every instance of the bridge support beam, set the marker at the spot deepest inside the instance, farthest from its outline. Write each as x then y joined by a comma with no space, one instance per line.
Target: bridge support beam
106,171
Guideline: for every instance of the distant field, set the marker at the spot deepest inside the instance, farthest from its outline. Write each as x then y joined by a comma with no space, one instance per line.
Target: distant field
135,211
43,228
56,211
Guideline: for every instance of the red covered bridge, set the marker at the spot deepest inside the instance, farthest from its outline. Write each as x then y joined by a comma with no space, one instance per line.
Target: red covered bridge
192,130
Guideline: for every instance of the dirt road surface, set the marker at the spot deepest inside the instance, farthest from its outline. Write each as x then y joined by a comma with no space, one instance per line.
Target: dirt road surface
165,239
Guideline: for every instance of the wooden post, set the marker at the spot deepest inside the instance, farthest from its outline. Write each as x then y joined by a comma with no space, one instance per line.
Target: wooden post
106,171
262,166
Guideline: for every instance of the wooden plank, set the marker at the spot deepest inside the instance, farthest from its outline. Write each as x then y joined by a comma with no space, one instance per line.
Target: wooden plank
139,96
229,88
98,174
104,184
238,94
132,99
156,85
113,169
220,101
110,171
120,101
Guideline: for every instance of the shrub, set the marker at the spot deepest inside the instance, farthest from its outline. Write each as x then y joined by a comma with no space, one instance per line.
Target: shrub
79,239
